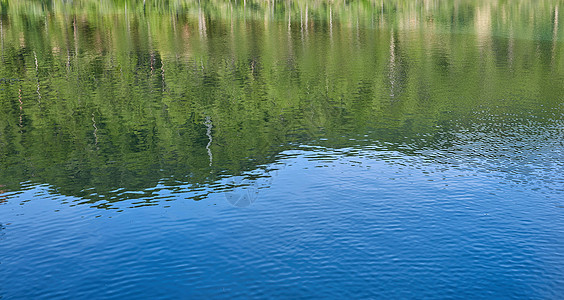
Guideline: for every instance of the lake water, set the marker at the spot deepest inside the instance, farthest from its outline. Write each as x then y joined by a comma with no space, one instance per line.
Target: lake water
281,149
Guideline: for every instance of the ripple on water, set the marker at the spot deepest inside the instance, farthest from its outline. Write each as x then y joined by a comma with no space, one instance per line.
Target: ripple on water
290,151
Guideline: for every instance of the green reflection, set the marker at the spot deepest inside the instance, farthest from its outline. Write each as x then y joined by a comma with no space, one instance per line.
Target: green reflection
98,96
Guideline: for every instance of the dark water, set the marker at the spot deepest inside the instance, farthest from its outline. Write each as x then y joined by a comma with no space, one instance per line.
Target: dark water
372,149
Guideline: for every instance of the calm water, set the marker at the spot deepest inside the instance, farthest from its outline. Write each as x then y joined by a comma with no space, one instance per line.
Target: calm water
286,149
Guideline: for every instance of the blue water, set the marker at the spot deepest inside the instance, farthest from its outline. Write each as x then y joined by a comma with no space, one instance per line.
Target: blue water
322,223
281,150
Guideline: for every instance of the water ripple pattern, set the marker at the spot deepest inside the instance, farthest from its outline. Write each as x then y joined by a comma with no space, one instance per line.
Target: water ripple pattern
379,149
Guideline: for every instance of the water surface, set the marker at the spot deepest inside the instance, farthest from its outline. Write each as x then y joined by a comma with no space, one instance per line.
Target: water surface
295,149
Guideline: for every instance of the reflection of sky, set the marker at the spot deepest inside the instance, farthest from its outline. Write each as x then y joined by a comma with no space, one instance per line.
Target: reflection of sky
324,222
525,156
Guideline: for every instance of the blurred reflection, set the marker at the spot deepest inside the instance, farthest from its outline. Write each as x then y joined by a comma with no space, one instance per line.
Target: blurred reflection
97,99
397,72
209,126
245,189
3,197
246,193
555,34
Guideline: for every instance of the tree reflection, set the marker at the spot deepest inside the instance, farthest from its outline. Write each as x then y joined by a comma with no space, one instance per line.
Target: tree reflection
127,95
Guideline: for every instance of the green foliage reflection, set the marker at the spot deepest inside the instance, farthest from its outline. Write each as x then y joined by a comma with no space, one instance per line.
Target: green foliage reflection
115,94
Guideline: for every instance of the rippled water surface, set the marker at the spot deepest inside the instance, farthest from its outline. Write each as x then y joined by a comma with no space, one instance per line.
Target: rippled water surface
281,149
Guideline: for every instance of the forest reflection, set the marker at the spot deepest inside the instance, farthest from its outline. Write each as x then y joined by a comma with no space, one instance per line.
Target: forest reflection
127,95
